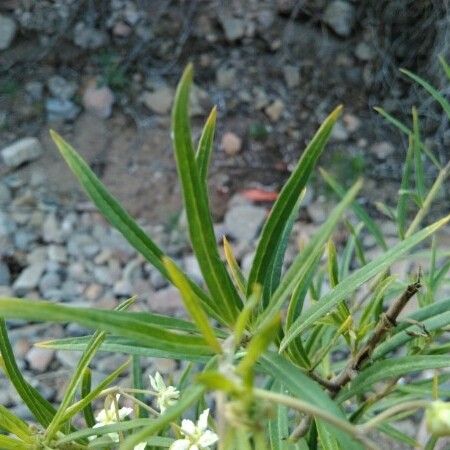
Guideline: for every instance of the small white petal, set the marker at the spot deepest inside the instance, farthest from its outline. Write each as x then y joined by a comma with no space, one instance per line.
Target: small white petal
208,438
140,446
180,444
101,416
194,447
153,383
160,382
188,427
124,412
202,423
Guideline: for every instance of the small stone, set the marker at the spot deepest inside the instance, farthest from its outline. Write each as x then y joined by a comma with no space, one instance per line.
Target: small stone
22,151
49,282
286,6
93,292
121,29
226,77
103,275
364,52
231,143
243,221
5,275
192,268
234,28
61,88
157,280
87,37
274,110
40,359
351,122
122,288
58,109
57,253
165,301
98,100
8,30
82,245
29,278
340,16
159,101
382,149
24,238
37,256
51,230
5,195
21,348
339,132
291,76
35,89
199,99
68,358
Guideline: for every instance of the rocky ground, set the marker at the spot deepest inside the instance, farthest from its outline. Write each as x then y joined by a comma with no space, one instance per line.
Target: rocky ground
103,74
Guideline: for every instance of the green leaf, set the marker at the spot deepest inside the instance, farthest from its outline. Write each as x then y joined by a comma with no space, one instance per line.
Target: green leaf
326,438
418,162
9,443
192,304
404,195
14,425
189,397
236,273
116,344
125,324
88,413
114,213
226,299
359,211
297,272
303,387
430,89
41,409
355,280
205,145
391,368
244,317
445,66
287,200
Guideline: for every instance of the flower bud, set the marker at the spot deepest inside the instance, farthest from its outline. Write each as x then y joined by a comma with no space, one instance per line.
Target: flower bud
437,418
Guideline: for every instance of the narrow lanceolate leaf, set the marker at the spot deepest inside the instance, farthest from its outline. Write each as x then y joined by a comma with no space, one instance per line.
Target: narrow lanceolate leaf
360,212
88,412
193,305
418,162
391,368
297,273
286,202
190,396
41,409
205,145
235,270
404,194
355,280
116,344
430,89
120,323
9,443
226,298
303,387
114,213
14,425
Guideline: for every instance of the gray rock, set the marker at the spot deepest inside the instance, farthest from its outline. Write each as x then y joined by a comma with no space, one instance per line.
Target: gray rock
291,76
340,16
37,256
7,225
82,245
40,359
87,37
28,278
192,268
243,221
98,100
51,230
382,149
364,52
22,151
103,275
68,358
234,28
58,109
226,77
8,30
339,132
48,283
61,88
24,238
5,195
5,275
35,89
57,253
165,301
157,280
159,101
123,288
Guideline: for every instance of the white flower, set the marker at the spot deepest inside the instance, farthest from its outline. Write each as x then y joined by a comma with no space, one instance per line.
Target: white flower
437,417
165,395
112,415
140,446
197,437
